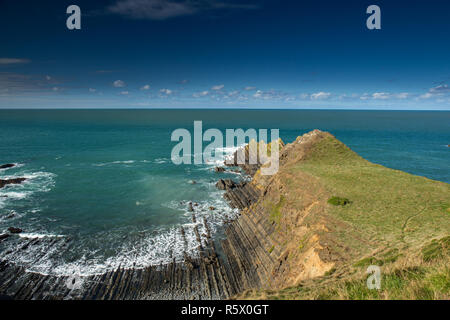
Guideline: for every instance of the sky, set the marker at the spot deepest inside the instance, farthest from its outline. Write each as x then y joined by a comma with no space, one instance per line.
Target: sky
225,54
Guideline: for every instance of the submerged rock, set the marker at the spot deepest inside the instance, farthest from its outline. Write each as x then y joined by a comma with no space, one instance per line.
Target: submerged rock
6,166
219,169
190,207
14,230
3,236
11,181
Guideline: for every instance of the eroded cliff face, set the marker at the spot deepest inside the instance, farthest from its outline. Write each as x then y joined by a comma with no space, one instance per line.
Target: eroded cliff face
283,237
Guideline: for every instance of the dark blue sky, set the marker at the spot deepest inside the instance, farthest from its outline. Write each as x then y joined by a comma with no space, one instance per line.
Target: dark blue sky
227,54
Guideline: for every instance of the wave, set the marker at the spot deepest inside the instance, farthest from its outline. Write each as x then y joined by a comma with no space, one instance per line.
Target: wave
161,160
114,162
155,247
48,252
35,182
38,235
16,166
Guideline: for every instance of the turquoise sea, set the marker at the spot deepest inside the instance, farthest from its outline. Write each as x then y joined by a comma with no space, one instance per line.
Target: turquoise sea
102,190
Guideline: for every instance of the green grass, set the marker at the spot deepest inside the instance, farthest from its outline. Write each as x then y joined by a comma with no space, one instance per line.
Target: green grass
424,282
338,201
388,206
436,249
388,257
275,212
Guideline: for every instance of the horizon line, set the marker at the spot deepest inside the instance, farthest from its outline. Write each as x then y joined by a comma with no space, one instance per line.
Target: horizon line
229,109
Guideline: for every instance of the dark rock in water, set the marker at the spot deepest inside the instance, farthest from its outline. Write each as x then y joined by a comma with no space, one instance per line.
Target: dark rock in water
193,182
212,208
219,169
12,215
6,166
11,181
14,230
190,207
3,236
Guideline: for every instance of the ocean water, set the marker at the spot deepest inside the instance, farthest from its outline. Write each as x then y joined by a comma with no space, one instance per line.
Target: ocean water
103,192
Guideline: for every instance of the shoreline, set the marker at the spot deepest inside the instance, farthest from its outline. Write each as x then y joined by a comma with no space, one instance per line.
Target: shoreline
211,275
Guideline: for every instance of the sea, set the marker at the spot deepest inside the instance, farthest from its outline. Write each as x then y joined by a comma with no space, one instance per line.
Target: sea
102,190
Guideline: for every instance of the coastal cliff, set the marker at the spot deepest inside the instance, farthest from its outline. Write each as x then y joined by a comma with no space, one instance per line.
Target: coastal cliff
316,224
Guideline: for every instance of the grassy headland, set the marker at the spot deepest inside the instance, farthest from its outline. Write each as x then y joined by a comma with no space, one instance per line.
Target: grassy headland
336,213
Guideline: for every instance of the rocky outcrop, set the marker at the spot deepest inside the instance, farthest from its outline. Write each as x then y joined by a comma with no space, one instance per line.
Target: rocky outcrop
11,181
225,184
209,275
15,230
7,166
248,158
3,236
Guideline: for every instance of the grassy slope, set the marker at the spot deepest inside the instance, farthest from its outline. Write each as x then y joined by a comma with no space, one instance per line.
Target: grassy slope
395,215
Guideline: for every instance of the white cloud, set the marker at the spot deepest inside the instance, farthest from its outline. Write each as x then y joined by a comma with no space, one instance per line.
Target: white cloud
233,93
249,88
258,94
438,91
9,61
270,95
145,87
402,95
165,9
218,87
381,95
119,84
320,95
443,88
48,78
92,90
200,94
124,93
56,89
167,92
427,95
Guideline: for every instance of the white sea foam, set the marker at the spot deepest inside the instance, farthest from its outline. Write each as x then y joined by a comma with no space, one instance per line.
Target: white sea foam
161,160
39,235
114,162
153,249
35,182
156,247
